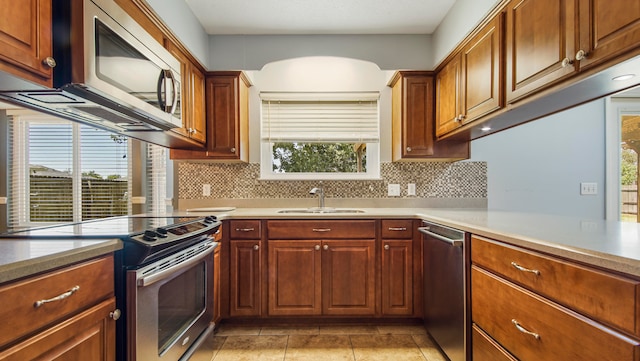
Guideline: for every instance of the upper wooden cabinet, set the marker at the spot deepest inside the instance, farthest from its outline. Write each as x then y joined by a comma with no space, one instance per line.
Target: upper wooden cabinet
194,123
540,44
607,29
412,118
470,85
227,116
25,40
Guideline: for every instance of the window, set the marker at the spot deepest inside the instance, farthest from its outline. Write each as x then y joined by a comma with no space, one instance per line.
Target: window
62,171
623,146
320,136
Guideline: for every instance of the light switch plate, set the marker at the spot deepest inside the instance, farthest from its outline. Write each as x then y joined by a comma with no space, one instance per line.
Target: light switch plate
394,190
588,188
411,189
206,190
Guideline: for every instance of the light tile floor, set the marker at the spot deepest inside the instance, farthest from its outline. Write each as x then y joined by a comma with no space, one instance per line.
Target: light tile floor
319,343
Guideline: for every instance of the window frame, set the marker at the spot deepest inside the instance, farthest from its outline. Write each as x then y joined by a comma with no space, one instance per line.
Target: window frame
372,148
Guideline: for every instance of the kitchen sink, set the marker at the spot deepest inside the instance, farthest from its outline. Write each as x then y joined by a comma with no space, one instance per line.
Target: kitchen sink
318,210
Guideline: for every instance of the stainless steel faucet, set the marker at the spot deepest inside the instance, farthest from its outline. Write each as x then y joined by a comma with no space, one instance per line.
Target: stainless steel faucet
320,192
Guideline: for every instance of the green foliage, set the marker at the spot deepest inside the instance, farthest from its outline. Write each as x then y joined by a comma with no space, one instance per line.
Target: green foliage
629,167
92,174
315,158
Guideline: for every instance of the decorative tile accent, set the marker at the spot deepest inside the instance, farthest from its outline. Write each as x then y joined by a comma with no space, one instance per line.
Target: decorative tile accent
241,181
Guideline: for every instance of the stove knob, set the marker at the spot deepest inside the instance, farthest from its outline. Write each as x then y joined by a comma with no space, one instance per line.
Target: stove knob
162,232
210,219
150,236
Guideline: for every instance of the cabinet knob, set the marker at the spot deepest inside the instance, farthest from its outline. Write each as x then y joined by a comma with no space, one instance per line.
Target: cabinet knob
233,150
325,247
408,149
50,62
386,247
566,62
581,54
256,247
317,247
115,314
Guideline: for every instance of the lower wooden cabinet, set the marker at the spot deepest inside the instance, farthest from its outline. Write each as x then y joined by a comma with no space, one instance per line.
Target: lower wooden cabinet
321,277
89,335
217,275
397,277
66,314
484,348
245,278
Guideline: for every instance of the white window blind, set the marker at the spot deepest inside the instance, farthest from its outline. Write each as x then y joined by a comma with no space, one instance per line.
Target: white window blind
65,172
320,117
156,180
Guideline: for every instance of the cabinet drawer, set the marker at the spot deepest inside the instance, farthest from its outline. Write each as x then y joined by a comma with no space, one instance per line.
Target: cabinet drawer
484,348
609,298
244,229
533,328
321,229
397,229
19,314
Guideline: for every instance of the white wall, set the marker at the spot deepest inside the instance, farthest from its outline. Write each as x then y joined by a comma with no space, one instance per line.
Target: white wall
184,24
538,166
252,52
463,17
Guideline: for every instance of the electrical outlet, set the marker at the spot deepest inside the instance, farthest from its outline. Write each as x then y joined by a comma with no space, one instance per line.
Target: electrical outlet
394,190
206,190
411,189
588,188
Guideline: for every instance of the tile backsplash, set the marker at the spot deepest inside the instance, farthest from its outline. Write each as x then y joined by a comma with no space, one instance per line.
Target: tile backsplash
462,180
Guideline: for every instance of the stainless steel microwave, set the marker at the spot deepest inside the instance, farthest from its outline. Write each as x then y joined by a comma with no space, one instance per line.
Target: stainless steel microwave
109,71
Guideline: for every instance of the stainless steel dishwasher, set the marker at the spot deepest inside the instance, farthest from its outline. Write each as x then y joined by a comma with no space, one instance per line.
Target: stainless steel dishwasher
445,309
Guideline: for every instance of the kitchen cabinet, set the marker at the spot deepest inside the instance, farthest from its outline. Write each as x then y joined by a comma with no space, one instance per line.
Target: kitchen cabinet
227,117
540,44
397,267
519,300
412,117
607,29
25,40
245,268
217,276
321,267
470,85
194,124
65,314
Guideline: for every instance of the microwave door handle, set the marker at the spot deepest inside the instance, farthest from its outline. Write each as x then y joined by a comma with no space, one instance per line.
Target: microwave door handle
162,103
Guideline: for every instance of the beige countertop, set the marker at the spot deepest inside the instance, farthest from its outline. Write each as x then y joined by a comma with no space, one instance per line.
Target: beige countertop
607,244
21,258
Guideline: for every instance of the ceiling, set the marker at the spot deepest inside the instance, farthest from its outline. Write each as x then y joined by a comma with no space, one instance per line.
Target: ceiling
277,17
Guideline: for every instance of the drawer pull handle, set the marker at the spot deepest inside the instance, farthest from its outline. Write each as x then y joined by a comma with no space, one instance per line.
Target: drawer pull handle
523,269
321,229
57,298
524,330
245,229
400,229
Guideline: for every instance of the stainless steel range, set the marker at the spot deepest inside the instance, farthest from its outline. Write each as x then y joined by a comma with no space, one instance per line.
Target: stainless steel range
164,281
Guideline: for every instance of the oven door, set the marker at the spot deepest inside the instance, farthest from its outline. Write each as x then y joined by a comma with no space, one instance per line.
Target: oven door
170,304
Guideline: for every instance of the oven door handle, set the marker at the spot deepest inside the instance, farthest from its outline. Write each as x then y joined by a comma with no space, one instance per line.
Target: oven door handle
164,274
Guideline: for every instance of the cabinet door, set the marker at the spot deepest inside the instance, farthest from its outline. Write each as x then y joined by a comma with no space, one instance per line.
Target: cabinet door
217,269
413,121
245,287
540,35
222,113
482,74
198,120
348,277
448,108
294,278
89,335
397,277
607,28
25,39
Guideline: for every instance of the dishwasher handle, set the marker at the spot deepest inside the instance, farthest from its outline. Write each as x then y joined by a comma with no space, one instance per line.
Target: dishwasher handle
452,242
